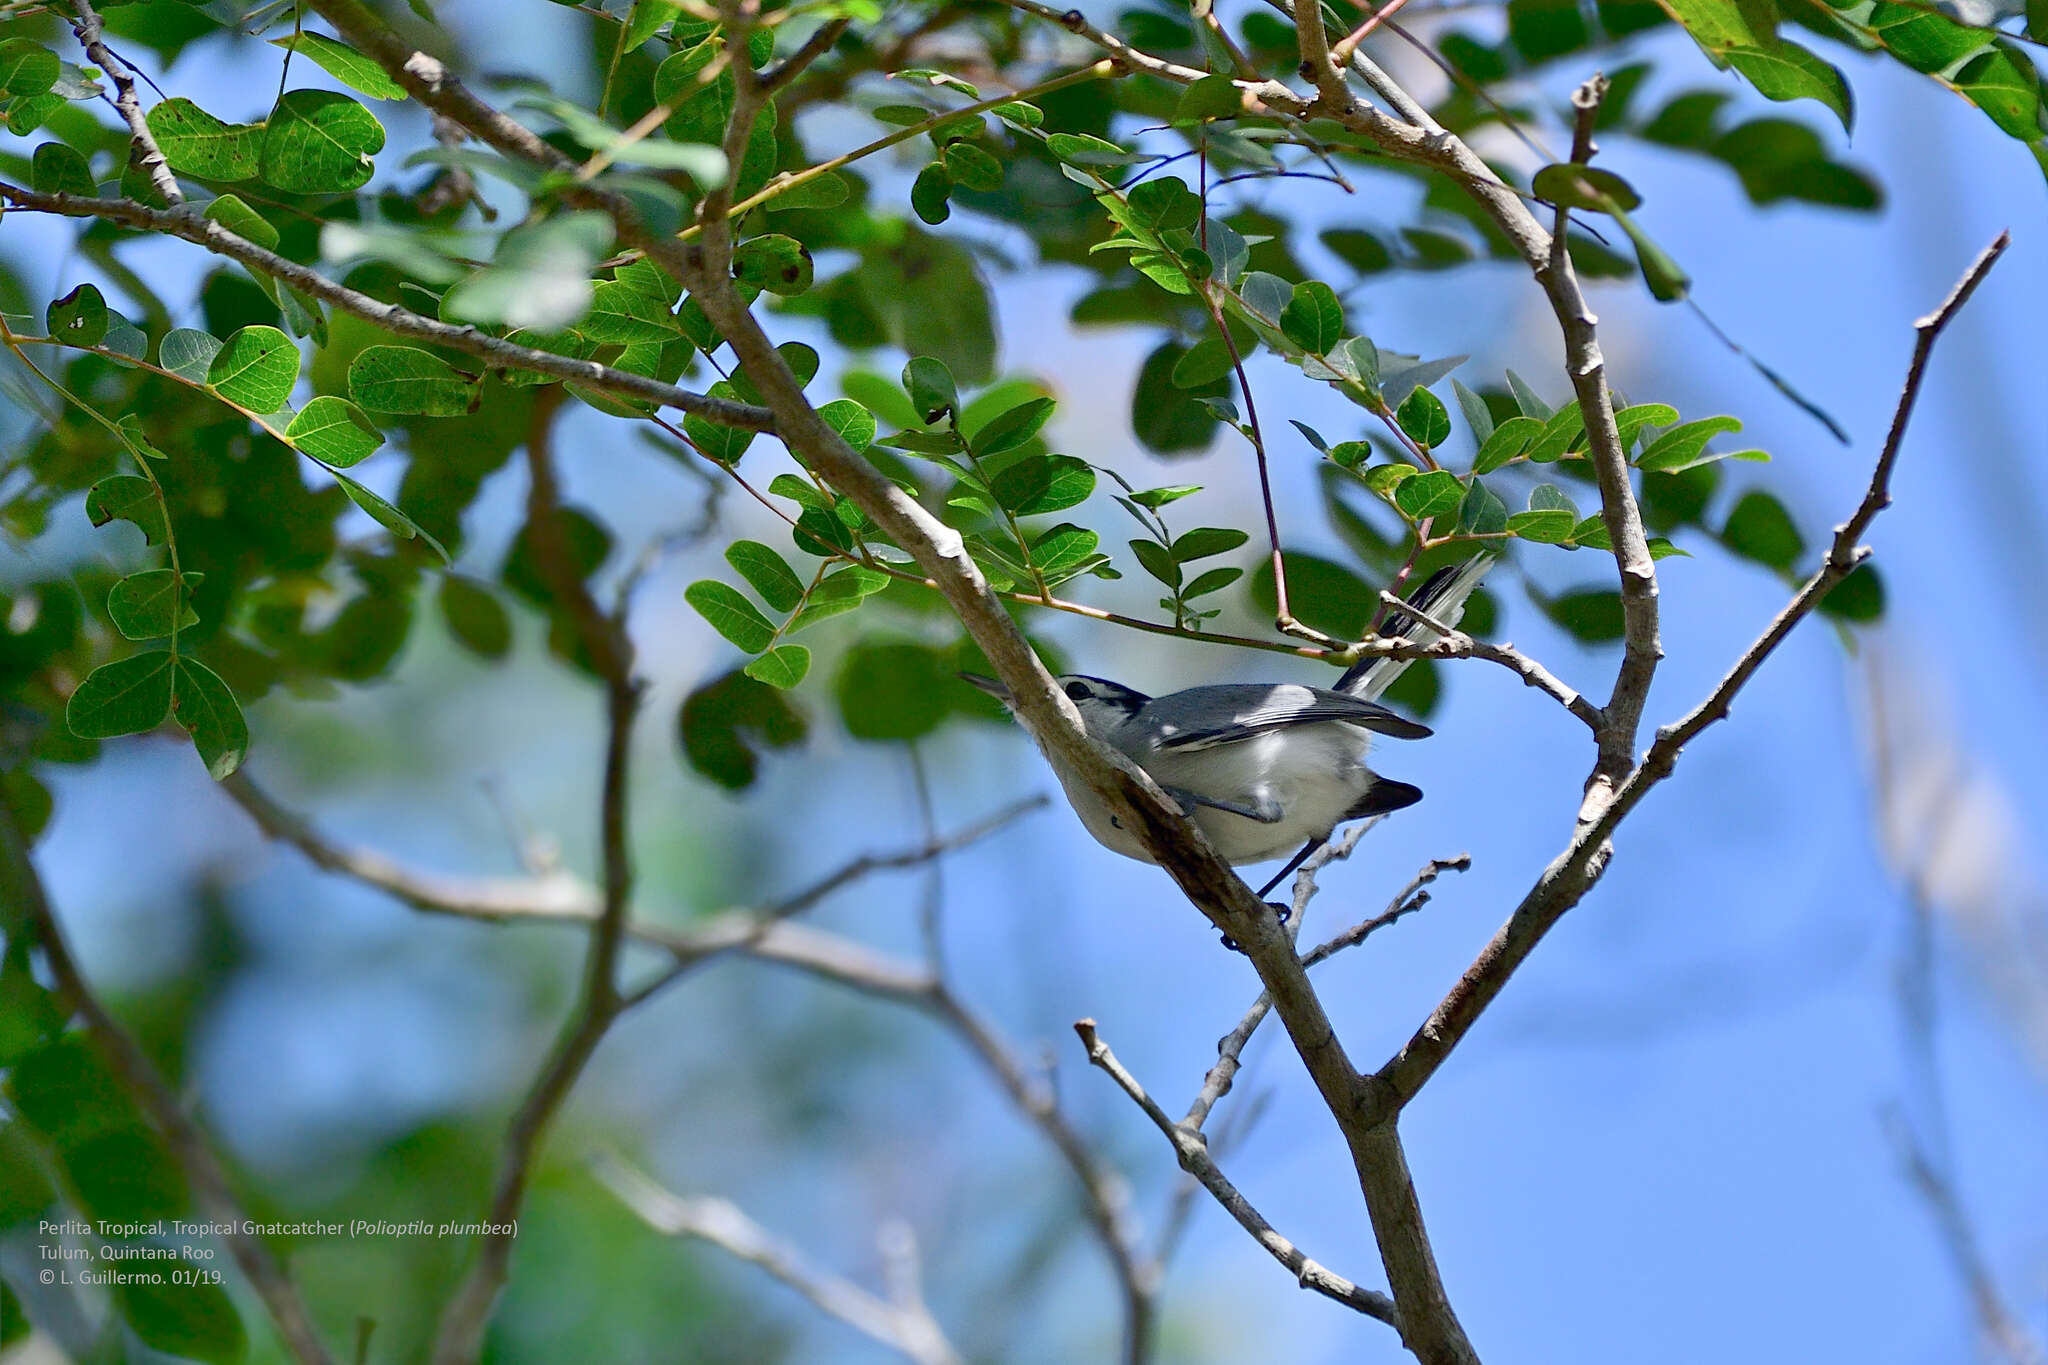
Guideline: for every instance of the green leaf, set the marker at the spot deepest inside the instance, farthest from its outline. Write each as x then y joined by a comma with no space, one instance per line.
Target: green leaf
191,1321
210,714
1664,276
1083,149
1722,24
827,191
1631,420
931,194
930,299
1043,483
1020,115
1429,495
1207,361
1477,415
971,166
197,143
475,616
840,592
255,368
1591,617
1789,72
1362,251
319,142
721,723
1158,561
1547,526
767,573
854,423
1062,547
1322,594
1008,430
892,690
188,353
1213,580
1526,399
58,169
1482,513
345,64
730,614
1921,38
124,697
2007,88
620,312
1859,597
1569,185
1209,97
79,318
1156,498
1204,541
147,605
1681,445
387,516
783,666
237,217
720,442
27,68
1508,440
334,431
776,263
931,388
1564,427
408,380
1759,528
1313,318
124,497
1382,479
1425,419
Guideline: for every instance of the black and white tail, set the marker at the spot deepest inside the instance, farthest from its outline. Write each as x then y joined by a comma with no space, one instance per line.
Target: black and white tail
1442,597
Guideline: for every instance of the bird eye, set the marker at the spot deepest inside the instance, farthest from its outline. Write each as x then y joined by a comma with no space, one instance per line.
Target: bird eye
1078,691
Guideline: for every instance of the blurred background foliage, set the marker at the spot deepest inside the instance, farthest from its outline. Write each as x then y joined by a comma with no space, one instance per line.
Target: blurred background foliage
412,679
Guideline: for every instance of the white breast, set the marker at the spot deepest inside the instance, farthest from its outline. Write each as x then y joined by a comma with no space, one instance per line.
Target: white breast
1313,773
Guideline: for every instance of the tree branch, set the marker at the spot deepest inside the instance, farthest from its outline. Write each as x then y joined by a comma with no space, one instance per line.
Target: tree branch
1191,1148
143,149
1572,873
188,1145
902,1322
390,317
459,1339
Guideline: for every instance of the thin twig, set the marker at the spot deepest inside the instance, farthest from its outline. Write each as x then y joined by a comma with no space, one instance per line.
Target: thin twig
145,152
900,1322
1572,873
459,1339
1191,1148
188,1145
1230,1047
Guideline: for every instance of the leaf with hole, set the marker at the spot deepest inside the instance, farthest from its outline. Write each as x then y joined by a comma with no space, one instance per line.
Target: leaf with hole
776,263
124,497
80,318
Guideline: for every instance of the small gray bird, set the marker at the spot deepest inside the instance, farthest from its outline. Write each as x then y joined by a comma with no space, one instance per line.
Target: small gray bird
1263,768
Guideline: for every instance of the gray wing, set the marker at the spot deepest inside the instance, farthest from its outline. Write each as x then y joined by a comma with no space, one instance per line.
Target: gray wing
1226,713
